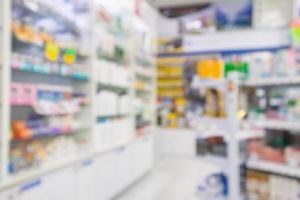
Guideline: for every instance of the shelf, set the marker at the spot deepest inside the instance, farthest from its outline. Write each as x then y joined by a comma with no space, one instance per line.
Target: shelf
275,124
144,73
49,133
18,179
112,116
272,167
278,81
180,76
221,123
219,160
208,83
170,86
116,88
250,134
23,177
245,41
144,90
74,76
43,113
46,10
242,134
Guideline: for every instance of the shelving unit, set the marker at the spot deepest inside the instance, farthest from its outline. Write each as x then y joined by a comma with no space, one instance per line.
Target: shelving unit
274,168
50,76
113,78
79,140
144,79
220,44
228,126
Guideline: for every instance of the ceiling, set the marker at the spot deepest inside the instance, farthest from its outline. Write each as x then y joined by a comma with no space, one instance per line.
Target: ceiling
176,3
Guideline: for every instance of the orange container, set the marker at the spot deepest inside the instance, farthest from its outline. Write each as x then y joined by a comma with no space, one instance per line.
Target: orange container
211,69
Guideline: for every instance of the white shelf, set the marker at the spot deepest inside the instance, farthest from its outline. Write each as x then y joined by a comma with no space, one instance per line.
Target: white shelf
277,81
250,134
242,134
276,168
36,173
112,87
275,124
244,40
145,73
208,83
219,160
219,123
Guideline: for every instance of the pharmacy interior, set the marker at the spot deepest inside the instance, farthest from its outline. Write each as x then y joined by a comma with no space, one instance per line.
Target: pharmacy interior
105,100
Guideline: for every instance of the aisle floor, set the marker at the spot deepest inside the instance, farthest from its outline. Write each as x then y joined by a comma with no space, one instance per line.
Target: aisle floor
171,179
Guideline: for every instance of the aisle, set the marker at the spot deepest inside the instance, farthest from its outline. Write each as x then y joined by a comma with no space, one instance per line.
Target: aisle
171,179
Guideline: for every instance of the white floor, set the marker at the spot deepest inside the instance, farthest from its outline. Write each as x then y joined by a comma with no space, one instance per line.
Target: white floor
171,179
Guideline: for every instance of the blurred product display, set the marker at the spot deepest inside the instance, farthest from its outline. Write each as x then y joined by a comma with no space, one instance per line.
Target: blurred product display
95,93
71,75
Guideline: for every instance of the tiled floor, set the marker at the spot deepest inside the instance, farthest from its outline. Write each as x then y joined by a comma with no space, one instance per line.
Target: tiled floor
171,179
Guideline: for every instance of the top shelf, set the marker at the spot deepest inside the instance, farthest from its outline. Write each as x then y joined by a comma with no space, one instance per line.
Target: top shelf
268,82
245,41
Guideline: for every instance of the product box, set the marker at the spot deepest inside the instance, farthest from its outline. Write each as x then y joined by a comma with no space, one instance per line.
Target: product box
234,14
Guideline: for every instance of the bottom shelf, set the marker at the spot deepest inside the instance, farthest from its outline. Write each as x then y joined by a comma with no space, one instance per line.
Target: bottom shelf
20,178
275,168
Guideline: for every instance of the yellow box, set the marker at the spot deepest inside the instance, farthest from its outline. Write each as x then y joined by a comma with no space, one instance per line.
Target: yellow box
210,69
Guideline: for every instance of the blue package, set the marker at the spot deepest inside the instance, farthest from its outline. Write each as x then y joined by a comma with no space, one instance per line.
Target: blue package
234,14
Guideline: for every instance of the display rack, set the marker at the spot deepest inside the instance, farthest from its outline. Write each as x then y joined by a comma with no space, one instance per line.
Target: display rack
144,79
50,94
80,139
274,124
229,125
112,82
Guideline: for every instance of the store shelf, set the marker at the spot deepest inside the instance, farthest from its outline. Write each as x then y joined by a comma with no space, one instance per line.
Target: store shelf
208,83
219,160
220,123
168,86
144,73
112,116
170,76
275,124
49,10
116,88
276,168
78,159
144,90
210,133
250,134
50,132
242,134
278,81
74,76
245,41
